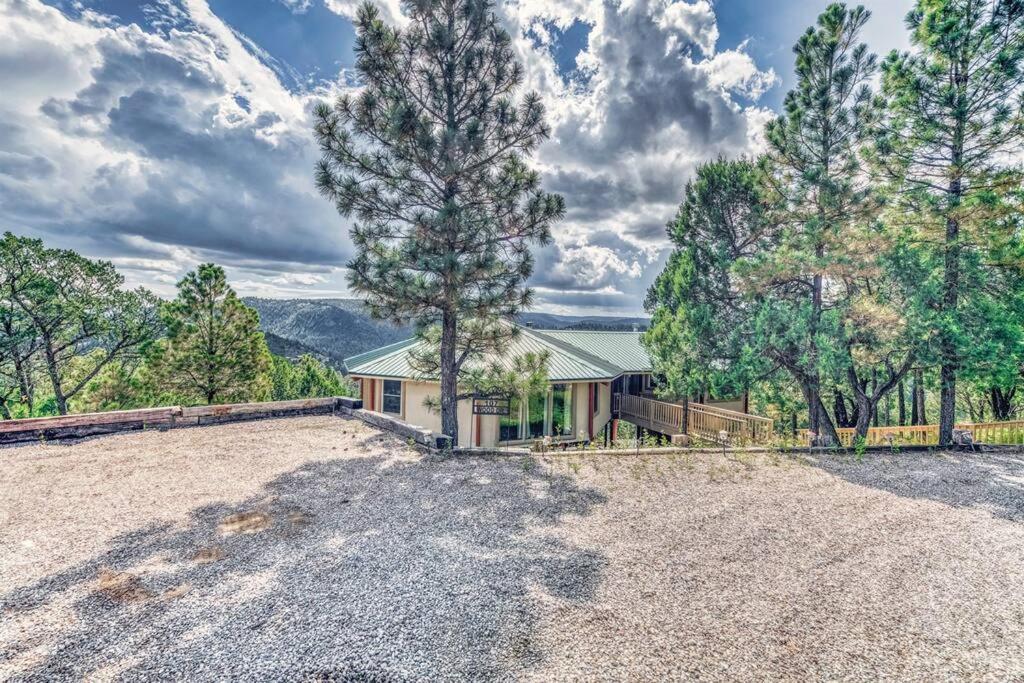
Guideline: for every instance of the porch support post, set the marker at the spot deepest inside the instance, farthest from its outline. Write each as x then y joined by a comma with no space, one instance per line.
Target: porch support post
615,429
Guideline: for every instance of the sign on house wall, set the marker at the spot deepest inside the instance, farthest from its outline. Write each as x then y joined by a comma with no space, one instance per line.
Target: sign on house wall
490,405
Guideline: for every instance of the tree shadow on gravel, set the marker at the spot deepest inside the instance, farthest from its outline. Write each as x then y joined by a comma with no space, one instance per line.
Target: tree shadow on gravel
992,480
356,569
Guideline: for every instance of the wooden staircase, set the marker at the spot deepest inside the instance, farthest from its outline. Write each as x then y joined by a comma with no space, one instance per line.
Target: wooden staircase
727,427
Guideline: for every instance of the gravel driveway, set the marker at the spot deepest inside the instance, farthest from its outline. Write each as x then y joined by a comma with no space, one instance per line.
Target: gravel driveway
319,549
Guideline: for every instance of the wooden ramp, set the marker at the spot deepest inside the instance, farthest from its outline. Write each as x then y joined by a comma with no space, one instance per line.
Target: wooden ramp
703,421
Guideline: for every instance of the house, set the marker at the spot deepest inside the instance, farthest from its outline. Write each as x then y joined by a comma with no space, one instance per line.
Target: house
589,373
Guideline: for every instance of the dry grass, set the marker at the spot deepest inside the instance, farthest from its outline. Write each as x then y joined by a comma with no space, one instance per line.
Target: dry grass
121,587
248,522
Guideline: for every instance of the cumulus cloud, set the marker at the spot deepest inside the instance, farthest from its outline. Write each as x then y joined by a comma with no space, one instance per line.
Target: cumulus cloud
390,10
590,267
177,135
177,141
654,97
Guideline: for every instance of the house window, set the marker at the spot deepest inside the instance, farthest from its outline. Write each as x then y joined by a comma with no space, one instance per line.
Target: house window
561,410
595,389
536,411
391,397
509,425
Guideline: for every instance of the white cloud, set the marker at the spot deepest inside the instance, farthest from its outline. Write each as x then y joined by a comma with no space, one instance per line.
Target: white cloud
659,98
165,147
156,148
390,10
593,267
300,279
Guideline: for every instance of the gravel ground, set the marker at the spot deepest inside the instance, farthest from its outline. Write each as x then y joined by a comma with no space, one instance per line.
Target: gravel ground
319,549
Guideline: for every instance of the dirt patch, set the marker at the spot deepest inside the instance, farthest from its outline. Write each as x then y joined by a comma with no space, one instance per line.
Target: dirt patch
299,518
208,555
121,587
248,522
176,592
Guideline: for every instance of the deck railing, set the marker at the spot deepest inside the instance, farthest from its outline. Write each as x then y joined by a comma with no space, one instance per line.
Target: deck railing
704,421
709,422
663,416
996,433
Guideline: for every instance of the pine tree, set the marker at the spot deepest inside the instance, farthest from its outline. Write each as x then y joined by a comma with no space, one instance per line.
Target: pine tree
73,312
214,351
700,338
430,160
818,199
951,110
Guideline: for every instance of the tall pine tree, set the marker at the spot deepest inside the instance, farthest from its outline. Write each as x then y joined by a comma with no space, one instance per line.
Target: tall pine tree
952,111
812,182
430,159
700,338
214,351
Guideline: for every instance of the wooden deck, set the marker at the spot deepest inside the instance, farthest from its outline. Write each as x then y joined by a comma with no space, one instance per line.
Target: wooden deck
706,422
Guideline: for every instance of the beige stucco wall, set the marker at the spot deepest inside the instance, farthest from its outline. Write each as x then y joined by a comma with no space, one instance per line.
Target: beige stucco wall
582,410
413,396
579,409
414,412
605,409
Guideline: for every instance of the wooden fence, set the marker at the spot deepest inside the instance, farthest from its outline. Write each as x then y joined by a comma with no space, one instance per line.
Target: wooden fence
995,433
88,424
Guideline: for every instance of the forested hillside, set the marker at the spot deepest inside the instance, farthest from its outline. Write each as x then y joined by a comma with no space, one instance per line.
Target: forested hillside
334,329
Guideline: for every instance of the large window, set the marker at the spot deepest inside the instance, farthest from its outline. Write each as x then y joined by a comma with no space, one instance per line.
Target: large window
539,415
561,410
391,397
509,425
536,412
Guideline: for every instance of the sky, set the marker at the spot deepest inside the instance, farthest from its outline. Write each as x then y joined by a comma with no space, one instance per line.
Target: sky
167,133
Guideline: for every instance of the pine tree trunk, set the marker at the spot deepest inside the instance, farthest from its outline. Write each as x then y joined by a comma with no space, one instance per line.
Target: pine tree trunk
449,378
842,418
818,418
951,287
1002,403
863,414
917,416
951,275
874,391
901,406
51,370
827,435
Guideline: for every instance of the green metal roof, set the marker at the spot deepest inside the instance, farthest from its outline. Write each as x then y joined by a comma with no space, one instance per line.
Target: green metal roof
573,356
620,349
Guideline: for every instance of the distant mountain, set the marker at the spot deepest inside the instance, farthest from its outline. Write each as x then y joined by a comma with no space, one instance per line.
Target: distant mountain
290,348
334,329
550,321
